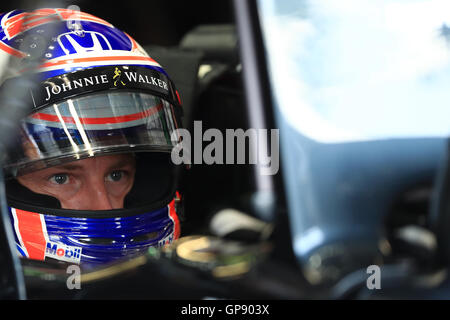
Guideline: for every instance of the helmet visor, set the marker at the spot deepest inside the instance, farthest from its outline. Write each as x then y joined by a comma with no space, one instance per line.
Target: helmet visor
102,123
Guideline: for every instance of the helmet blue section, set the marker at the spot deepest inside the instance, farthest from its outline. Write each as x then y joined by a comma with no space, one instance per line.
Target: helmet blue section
91,241
103,240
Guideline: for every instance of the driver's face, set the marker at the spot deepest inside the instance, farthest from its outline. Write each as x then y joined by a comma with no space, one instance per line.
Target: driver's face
99,183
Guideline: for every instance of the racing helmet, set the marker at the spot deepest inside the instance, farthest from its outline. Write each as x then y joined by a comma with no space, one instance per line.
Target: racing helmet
94,92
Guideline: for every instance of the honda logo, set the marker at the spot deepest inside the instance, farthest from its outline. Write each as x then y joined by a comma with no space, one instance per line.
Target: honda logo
81,43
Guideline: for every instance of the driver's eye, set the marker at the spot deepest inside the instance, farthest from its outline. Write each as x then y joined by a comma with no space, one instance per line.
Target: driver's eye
115,175
60,178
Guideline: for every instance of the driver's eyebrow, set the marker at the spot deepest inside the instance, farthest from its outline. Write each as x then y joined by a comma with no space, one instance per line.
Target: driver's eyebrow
122,163
68,167
118,164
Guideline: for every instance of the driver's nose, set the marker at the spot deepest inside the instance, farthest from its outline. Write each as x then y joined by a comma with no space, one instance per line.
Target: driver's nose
94,196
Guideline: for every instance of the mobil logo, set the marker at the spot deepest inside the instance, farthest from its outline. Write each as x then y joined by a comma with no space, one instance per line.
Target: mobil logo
63,252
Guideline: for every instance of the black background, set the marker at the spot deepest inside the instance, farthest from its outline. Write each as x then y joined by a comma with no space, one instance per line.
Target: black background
157,22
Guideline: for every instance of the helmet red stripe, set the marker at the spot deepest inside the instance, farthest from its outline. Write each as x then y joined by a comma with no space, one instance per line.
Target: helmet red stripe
95,59
103,120
176,221
32,233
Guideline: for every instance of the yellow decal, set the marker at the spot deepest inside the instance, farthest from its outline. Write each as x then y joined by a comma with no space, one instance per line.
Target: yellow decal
118,74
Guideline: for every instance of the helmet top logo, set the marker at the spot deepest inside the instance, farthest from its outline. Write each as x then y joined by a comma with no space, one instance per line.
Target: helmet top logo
71,43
